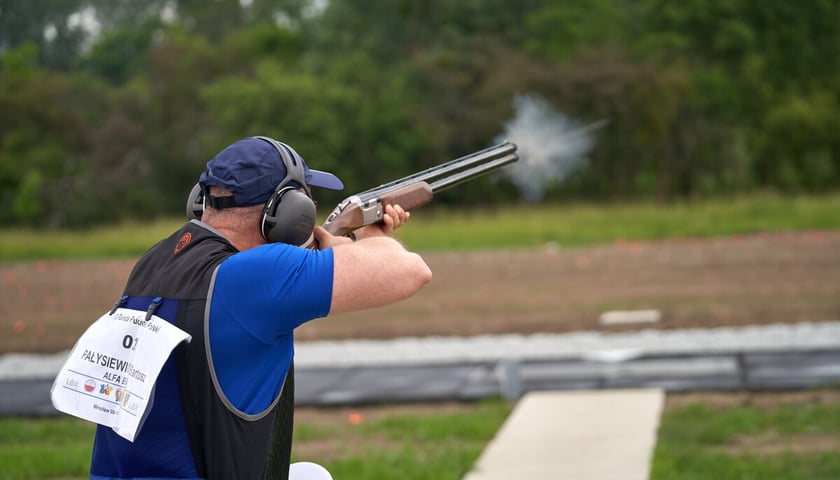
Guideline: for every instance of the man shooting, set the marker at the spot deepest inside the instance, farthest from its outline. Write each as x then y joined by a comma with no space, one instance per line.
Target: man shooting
239,283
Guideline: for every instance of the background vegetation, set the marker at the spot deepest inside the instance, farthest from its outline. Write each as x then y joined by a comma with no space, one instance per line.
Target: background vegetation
111,107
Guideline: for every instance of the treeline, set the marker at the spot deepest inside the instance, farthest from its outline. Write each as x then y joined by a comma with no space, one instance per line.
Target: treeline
110,108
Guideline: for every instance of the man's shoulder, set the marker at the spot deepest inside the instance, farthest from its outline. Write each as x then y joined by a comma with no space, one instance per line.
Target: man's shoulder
191,252
270,260
192,239
274,253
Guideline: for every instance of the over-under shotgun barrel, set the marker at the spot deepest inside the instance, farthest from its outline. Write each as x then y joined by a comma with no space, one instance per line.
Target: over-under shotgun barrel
475,163
416,189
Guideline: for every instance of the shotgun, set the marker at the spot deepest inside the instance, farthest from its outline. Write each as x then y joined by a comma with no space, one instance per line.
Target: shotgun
416,189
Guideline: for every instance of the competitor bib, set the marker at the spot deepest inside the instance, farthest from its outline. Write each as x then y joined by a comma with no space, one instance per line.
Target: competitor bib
110,375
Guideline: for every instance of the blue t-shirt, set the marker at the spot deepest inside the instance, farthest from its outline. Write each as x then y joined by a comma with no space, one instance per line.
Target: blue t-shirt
259,297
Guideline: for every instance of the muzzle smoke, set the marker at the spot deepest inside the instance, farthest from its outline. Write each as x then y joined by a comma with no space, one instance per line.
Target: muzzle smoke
550,145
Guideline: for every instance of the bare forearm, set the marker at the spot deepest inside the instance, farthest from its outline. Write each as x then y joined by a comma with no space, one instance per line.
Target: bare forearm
374,272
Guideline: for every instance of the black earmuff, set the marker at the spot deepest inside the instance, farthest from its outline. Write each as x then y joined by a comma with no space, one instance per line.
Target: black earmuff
195,203
289,215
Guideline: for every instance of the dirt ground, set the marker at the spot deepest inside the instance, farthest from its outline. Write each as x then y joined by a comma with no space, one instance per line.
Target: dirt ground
741,280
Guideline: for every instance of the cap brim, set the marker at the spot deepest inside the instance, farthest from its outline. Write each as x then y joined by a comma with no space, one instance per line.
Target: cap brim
317,178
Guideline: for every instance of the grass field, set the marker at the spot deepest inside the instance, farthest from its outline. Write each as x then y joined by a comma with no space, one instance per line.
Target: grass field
770,436
513,227
794,436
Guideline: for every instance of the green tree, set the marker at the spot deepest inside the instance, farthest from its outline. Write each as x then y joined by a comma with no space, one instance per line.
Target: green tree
213,19
44,134
119,55
396,30
560,29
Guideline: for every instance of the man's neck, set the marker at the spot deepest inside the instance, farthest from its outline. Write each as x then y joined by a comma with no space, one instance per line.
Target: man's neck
239,240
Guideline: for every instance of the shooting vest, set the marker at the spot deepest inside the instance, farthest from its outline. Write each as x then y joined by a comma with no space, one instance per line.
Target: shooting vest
190,432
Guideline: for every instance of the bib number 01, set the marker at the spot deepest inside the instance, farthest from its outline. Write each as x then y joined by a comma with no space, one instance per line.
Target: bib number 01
111,371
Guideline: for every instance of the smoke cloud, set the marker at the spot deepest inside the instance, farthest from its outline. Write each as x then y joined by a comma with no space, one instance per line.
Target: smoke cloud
550,145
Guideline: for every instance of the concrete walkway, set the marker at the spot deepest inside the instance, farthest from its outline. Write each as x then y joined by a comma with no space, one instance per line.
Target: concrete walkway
580,435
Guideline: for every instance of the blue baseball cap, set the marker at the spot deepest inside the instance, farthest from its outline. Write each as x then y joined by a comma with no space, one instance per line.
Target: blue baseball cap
252,168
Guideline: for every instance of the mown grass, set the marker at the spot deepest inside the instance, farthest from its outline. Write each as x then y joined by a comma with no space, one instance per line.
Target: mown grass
428,445
580,225
696,441
784,442
435,228
39,448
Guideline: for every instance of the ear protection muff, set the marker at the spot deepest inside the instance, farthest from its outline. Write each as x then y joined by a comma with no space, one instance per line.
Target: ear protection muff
289,215
195,203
